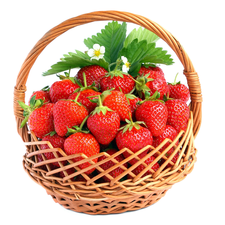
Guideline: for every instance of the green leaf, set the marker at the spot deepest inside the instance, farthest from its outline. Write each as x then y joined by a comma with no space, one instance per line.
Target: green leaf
76,59
32,101
141,34
23,105
112,38
141,52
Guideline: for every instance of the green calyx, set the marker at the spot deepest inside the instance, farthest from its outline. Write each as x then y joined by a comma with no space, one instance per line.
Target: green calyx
117,71
52,133
141,86
78,129
46,88
154,97
131,124
28,109
175,82
66,76
100,108
130,96
166,98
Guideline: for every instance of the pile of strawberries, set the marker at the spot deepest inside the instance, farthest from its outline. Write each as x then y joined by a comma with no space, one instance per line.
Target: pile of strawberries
100,110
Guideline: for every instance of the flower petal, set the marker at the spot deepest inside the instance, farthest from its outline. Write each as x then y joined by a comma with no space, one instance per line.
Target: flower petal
124,59
96,46
102,49
91,52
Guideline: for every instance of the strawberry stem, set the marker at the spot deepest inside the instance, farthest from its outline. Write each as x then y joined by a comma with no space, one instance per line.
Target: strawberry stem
100,101
85,81
175,78
83,122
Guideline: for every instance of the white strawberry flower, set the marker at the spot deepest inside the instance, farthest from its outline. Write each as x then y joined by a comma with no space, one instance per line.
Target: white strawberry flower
97,52
126,65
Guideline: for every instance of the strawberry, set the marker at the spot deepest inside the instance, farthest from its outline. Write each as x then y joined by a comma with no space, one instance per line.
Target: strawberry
117,80
42,94
69,172
39,116
169,133
116,172
56,142
68,113
93,74
178,114
41,120
154,113
62,89
151,79
153,72
103,123
179,91
85,92
134,137
141,167
122,83
117,101
82,142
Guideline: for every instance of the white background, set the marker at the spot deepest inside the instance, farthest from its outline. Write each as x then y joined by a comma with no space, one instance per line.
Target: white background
199,27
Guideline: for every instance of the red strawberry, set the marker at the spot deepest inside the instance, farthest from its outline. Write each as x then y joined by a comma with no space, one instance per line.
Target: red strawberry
153,72
93,73
62,89
43,167
152,79
103,123
169,133
141,167
39,116
117,80
116,172
69,172
68,113
56,142
42,94
178,114
82,142
153,113
134,137
85,92
123,83
41,120
179,91
117,101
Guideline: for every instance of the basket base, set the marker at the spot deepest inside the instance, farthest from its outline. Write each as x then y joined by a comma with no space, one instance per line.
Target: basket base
110,206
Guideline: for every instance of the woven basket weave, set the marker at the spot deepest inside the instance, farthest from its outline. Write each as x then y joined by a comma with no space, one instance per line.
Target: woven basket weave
92,196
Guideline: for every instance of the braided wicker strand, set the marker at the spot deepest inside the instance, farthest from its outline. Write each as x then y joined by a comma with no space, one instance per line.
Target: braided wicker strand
116,196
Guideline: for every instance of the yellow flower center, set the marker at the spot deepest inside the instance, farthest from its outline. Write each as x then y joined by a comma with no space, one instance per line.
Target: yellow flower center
97,53
127,64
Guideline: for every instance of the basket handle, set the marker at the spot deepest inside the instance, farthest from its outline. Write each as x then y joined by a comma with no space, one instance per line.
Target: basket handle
189,71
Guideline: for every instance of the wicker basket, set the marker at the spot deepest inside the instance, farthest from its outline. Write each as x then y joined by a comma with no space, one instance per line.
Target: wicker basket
116,196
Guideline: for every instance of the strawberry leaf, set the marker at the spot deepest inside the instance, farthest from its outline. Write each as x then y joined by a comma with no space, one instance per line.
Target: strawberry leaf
72,60
143,52
112,38
141,34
